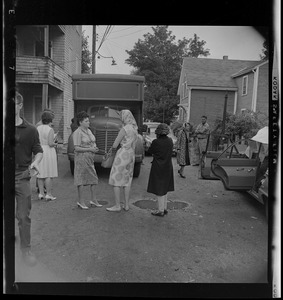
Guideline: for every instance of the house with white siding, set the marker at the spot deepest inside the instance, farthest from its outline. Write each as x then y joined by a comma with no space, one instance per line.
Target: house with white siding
46,58
205,83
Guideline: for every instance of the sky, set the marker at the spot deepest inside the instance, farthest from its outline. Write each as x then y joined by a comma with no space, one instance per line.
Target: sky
236,42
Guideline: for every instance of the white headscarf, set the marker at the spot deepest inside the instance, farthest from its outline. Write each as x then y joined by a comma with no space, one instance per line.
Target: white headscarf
128,118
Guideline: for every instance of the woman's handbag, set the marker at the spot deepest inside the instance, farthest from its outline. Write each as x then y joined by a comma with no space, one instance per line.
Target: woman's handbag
108,158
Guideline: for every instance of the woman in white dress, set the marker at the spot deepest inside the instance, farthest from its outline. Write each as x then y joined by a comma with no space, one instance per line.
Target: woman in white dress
121,174
48,166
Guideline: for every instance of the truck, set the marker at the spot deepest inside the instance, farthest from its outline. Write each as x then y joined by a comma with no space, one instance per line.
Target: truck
103,96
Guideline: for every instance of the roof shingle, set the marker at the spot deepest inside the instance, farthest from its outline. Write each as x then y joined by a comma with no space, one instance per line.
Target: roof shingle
213,72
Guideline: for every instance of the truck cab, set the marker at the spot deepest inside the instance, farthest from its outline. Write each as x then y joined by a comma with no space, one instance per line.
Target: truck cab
103,96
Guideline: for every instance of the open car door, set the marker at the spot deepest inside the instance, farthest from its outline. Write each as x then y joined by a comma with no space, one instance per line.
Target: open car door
235,169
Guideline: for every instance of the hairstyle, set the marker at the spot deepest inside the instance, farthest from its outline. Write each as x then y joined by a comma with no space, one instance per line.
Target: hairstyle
188,126
176,126
204,117
162,129
49,111
81,116
18,98
46,112
47,117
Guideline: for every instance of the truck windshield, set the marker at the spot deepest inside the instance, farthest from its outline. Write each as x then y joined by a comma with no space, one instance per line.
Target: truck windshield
105,112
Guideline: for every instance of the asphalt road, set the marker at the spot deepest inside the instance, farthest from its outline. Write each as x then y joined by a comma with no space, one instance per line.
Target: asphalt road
209,236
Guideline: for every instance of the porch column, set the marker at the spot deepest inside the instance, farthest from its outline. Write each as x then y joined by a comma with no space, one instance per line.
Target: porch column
44,96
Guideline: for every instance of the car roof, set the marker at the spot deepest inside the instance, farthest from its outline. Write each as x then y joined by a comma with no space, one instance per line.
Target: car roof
151,123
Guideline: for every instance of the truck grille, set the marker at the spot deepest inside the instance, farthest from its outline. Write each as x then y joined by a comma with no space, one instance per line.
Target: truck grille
105,138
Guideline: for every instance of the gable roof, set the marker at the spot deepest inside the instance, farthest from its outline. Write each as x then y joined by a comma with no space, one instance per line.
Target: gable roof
207,72
248,69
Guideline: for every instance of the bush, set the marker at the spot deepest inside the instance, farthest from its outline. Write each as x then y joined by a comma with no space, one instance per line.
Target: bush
243,125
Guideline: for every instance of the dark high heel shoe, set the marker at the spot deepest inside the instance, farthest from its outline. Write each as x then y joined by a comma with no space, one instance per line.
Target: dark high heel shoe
179,171
158,213
165,211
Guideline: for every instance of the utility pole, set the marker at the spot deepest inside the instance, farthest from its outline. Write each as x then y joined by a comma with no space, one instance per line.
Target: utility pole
221,145
93,48
224,113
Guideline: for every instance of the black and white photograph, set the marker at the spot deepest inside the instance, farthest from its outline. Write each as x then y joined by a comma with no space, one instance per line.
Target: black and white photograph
144,160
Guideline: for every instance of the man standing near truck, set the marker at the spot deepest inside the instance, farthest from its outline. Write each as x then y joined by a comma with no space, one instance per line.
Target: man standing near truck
202,131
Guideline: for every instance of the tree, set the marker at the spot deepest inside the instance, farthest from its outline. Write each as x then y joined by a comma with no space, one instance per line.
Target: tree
196,47
243,125
265,51
159,58
86,55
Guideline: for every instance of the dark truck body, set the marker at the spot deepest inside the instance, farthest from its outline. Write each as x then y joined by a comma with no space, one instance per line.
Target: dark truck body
102,96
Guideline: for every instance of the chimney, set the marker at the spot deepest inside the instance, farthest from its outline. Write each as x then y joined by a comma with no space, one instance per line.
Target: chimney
225,57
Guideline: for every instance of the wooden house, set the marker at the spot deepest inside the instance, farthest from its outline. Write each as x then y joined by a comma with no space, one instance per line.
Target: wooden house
46,58
204,83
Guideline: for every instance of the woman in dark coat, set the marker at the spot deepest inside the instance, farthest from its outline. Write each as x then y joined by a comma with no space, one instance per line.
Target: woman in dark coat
161,177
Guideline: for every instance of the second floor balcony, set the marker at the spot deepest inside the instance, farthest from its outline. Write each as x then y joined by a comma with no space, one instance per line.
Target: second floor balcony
35,69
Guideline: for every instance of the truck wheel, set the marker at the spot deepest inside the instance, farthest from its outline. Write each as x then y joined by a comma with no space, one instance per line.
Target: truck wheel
137,169
72,166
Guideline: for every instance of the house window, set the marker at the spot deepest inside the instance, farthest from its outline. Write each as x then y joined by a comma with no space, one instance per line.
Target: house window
245,86
39,49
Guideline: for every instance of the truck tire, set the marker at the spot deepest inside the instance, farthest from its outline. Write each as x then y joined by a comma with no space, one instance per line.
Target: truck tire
72,166
137,169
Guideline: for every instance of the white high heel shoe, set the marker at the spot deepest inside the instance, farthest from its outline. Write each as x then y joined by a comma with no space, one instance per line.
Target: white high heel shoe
40,197
81,206
50,198
94,204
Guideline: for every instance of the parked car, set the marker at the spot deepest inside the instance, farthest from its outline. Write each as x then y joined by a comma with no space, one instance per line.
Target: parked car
150,135
215,145
243,166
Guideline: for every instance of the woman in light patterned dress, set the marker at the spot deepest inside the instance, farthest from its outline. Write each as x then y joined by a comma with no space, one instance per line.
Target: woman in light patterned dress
47,167
183,158
85,149
121,174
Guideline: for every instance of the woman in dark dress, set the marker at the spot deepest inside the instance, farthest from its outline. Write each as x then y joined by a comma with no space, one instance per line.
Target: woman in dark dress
161,177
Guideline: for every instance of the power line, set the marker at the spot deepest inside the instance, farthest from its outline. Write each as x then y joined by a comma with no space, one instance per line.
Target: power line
124,29
104,36
128,34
